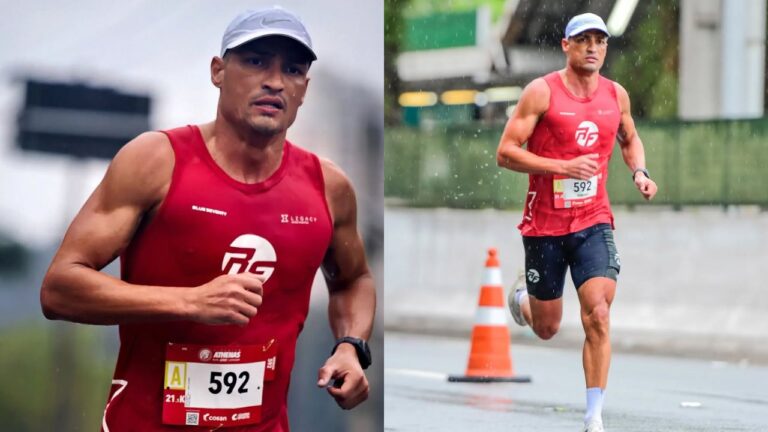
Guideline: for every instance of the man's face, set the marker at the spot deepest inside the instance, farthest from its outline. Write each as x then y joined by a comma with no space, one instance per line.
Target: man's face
262,83
586,50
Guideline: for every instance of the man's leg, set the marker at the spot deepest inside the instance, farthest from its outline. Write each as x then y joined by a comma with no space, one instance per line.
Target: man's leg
542,315
595,268
596,296
540,303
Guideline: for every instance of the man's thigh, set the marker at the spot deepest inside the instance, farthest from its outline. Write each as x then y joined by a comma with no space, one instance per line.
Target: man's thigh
545,266
595,255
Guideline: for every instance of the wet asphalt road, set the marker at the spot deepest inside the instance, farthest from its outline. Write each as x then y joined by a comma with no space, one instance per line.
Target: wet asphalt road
645,393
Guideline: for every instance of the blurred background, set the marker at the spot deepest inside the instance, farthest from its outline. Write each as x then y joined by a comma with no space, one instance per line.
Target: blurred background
691,283
78,81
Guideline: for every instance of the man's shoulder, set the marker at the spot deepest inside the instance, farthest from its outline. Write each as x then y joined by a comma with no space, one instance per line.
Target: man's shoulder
605,79
535,97
148,142
541,82
147,150
333,174
301,151
337,184
339,192
142,169
334,178
619,92
540,86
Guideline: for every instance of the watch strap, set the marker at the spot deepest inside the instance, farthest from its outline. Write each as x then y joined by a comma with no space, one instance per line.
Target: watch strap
361,349
642,170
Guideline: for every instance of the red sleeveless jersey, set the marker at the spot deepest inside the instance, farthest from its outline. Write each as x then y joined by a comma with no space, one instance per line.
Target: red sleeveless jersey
209,225
571,127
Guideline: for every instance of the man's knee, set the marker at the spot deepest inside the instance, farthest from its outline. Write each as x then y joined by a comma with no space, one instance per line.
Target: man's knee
546,330
597,321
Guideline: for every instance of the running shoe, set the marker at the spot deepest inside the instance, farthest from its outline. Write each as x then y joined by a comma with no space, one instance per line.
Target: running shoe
515,296
596,425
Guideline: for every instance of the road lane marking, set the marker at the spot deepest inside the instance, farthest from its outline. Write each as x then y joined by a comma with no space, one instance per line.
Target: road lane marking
418,373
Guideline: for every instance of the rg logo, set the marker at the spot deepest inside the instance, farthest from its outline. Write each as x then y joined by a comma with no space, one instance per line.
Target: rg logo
586,134
533,276
250,253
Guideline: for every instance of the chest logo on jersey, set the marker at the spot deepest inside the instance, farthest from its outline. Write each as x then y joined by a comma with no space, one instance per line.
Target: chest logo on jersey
297,220
250,253
586,133
209,210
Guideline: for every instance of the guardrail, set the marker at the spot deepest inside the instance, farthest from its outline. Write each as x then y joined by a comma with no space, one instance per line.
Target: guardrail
694,163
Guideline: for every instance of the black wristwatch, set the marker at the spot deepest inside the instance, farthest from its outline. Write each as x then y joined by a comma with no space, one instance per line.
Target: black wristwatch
642,170
361,348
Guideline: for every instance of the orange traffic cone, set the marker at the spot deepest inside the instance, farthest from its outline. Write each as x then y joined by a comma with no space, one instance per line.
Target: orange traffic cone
489,357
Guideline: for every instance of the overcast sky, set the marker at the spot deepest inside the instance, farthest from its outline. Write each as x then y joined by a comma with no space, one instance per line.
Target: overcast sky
162,47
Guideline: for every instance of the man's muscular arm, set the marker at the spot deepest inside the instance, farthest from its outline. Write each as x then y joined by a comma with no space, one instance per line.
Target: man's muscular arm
632,149
352,300
73,289
533,103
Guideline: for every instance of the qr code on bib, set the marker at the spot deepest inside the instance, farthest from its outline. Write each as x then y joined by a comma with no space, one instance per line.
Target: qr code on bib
193,418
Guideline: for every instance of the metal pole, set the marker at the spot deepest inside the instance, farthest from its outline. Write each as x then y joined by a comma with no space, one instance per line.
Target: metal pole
64,350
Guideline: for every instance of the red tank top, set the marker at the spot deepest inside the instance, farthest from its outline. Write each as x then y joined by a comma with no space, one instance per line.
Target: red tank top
209,225
571,127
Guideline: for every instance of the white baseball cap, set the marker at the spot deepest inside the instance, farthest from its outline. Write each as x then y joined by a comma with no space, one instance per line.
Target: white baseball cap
584,22
255,24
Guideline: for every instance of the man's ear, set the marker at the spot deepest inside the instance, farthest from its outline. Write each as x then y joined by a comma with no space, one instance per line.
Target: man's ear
306,86
217,71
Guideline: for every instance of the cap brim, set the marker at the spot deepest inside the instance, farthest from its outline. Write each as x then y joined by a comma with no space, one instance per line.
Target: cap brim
586,27
265,33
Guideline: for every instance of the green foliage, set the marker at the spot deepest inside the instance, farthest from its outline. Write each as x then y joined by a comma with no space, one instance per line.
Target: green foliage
453,167
30,372
393,37
426,7
694,163
440,30
646,64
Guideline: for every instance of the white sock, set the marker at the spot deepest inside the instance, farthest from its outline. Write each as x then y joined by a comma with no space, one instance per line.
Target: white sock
520,295
594,404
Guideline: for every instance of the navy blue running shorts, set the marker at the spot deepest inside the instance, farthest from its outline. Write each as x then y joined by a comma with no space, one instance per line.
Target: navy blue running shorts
589,253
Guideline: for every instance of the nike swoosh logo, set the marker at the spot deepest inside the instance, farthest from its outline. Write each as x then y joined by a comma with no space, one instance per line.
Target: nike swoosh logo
270,22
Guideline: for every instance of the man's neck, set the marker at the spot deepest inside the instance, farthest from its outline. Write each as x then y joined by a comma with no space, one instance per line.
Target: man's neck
580,84
244,155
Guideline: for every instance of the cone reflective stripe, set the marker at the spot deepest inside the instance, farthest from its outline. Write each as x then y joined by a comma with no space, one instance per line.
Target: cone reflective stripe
489,355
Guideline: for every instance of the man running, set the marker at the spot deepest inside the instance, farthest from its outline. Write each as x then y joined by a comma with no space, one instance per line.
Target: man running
570,119
220,229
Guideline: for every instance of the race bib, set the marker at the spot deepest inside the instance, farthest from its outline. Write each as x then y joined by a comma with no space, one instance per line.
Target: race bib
216,385
570,192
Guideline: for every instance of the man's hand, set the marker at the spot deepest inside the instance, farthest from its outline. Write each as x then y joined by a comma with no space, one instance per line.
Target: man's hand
646,186
582,167
344,367
228,299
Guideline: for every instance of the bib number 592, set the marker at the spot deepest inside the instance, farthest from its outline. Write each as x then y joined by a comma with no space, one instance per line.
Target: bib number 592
230,380
582,186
